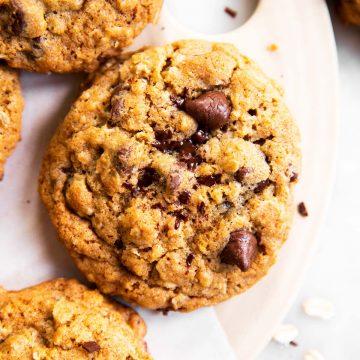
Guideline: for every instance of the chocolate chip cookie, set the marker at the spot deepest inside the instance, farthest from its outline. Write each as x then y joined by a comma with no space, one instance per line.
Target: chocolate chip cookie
62,319
170,181
11,106
350,11
69,35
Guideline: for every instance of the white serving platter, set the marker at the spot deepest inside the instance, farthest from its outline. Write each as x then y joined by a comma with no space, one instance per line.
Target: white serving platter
305,65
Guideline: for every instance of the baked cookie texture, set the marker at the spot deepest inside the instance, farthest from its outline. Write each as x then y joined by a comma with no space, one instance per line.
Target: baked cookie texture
11,106
350,11
69,35
62,319
170,181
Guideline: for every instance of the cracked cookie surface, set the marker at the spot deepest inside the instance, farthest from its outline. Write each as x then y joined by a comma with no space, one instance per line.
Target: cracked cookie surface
11,106
69,35
62,319
170,181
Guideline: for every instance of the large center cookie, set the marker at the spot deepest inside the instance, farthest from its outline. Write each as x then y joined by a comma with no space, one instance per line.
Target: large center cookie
62,320
170,180
69,35
11,106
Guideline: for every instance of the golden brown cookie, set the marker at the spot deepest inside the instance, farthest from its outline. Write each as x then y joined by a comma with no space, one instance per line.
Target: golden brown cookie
11,106
171,179
62,319
69,35
350,11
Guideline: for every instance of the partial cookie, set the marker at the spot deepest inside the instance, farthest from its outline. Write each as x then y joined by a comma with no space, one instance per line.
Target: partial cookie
69,35
171,179
62,319
350,11
11,106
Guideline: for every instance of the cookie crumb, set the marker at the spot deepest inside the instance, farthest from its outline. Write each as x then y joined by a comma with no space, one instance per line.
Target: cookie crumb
302,209
319,308
231,12
293,343
286,334
313,355
272,47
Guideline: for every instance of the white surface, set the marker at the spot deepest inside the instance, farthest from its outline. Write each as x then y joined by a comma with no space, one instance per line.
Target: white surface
32,253
335,270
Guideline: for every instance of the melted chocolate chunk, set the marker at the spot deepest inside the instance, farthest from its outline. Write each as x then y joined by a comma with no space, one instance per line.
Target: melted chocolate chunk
200,137
211,110
209,180
240,250
91,346
241,174
162,135
148,177
262,185
302,209
184,197
189,260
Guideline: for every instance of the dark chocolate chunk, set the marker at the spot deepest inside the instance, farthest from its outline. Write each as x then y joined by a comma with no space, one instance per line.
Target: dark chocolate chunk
200,137
189,260
252,112
211,109
187,150
91,346
184,197
240,250
209,180
302,209
241,174
162,135
294,176
262,185
148,177
231,12
177,223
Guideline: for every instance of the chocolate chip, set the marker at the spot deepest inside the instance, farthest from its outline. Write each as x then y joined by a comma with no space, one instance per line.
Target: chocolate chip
240,250
119,244
262,185
252,112
231,12
174,182
187,150
177,101
147,249
200,137
302,209
201,207
209,180
134,190
162,135
211,109
293,343
294,176
241,174
158,206
260,142
18,24
184,197
91,346
180,215
116,109
189,260
148,177
177,223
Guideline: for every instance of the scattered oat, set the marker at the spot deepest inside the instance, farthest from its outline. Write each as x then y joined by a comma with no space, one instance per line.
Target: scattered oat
285,334
272,47
230,12
319,308
313,355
